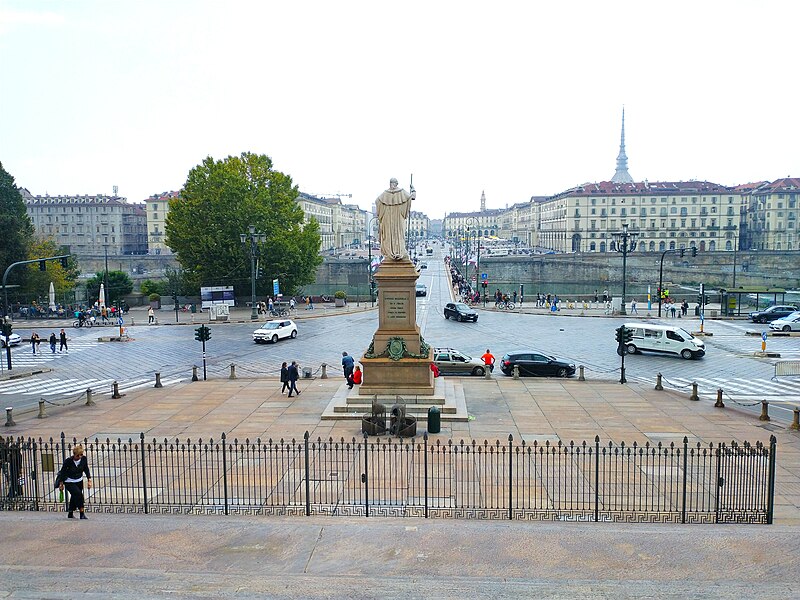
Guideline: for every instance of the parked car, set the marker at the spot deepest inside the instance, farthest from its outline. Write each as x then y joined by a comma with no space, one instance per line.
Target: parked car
272,331
423,265
788,323
778,311
532,363
422,289
460,312
663,339
13,341
453,362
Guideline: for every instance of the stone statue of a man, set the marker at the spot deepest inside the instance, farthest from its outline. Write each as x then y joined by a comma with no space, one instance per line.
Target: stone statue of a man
394,207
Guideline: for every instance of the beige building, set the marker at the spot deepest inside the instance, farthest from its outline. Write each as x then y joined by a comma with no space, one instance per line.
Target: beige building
419,226
89,225
770,220
341,225
157,208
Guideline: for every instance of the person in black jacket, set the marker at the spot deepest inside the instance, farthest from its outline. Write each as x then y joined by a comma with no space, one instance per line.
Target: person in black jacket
71,477
284,377
294,375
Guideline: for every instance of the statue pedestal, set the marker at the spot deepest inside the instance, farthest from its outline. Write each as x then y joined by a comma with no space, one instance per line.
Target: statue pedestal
398,360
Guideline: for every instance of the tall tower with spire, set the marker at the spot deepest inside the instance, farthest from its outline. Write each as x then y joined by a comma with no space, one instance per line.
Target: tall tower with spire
622,175
483,201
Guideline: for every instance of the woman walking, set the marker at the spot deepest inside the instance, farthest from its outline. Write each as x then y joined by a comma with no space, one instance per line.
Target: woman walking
284,377
71,477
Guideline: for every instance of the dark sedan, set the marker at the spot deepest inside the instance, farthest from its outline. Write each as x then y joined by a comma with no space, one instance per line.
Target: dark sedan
460,312
773,312
535,364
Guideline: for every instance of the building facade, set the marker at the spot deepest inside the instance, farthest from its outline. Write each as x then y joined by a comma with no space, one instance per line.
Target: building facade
771,215
157,208
341,225
89,225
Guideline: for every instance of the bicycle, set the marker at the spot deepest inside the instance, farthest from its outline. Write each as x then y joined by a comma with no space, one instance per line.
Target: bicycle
279,312
85,323
504,305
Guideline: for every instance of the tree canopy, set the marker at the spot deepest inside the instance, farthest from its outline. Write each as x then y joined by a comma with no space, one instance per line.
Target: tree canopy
37,283
119,285
219,201
15,227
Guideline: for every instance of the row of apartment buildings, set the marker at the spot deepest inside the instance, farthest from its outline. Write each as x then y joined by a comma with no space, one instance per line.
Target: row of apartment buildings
664,215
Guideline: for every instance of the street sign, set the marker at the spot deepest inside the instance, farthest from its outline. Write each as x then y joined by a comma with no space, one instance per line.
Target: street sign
484,276
763,336
702,318
119,321
275,288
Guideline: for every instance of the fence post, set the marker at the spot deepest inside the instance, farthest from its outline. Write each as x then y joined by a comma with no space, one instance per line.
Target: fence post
659,387
41,414
487,372
581,376
10,416
685,461
510,476
158,380
224,473
796,419
308,476
773,443
694,397
324,371
425,462
34,474
115,391
719,403
233,372
516,371
89,400
194,373
764,411
144,474
365,476
596,478
720,481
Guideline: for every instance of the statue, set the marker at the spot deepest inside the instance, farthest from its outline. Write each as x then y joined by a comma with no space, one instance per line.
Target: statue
394,207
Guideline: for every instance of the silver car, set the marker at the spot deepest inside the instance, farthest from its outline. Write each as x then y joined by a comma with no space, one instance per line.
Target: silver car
453,362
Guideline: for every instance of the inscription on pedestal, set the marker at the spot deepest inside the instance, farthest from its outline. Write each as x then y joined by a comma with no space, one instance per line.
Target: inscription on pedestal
396,308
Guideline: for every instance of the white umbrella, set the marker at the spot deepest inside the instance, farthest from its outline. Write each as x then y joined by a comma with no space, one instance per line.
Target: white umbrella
102,299
52,297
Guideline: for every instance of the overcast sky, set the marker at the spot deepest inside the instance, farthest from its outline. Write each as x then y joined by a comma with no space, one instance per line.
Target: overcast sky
514,98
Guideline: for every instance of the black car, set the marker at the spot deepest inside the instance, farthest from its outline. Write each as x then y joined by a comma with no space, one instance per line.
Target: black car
422,289
460,312
773,312
536,364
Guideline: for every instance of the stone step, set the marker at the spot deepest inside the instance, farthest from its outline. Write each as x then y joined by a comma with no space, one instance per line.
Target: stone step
390,400
411,409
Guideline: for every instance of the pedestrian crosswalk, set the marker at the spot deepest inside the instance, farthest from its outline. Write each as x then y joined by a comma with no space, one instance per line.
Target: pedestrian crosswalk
64,388
739,387
23,358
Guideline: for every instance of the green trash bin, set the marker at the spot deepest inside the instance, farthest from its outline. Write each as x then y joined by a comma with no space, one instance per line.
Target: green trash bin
434,420
194,308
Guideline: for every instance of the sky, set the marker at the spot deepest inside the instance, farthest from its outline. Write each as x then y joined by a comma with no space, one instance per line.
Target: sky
516,99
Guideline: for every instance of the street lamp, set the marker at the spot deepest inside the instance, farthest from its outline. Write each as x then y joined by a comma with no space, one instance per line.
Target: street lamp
369,263
254,239
625,242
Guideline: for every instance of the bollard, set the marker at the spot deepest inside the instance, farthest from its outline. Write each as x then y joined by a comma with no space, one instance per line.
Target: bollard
233,372
89,401
580,374
158,380
194,373
324,371
115,391
719,403
487,372
516,371
133,322
9,416
659,387
796,420
694,397
41,414
764,411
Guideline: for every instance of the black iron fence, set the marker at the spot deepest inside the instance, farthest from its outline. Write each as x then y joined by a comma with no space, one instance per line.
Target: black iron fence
679,483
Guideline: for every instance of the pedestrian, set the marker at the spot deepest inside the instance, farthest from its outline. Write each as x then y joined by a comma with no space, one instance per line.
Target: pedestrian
34,341
293,375
291,303
151,315
63,339
596,297
488,359
347,366
271,306
358,376
71,477
685,308
673,310
103,315
633,307
11,461
515,296
284,377
53,341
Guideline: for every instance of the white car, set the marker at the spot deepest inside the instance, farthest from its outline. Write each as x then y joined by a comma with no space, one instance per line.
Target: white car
790,323
272,331
14,341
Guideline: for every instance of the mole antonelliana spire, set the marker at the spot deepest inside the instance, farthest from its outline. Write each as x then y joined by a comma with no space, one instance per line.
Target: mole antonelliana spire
622,175
483,201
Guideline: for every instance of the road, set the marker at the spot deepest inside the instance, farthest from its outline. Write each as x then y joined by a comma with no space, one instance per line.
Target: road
589,341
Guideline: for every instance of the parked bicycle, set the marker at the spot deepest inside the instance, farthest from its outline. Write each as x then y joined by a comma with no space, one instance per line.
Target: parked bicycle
90,322
504,305
279,312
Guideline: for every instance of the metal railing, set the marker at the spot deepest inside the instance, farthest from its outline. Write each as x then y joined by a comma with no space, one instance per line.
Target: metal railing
588,481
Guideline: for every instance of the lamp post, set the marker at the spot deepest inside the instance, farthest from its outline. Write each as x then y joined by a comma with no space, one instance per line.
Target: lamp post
477,231
625,242
254,239
369,263
105,276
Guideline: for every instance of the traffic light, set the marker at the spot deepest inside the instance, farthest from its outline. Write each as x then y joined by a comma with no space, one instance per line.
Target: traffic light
202,334
694,251
620,335
65,262
627,335
485,284
43,265
7,328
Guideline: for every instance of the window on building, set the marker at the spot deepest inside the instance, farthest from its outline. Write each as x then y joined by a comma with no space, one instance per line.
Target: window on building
664,212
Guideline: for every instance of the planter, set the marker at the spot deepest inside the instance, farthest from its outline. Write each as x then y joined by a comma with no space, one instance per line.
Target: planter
339,302
155,304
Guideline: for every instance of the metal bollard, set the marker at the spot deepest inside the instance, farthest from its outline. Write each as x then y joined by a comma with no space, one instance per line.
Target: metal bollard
41,414
115,391
324,371
796,420
764,411
581,377
694,397
89,401
158,380
194,373
487,372
719,403
233,372
659,387
9,416
516,372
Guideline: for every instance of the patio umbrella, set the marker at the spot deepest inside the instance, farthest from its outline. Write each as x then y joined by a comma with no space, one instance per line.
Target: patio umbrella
52,297
102,299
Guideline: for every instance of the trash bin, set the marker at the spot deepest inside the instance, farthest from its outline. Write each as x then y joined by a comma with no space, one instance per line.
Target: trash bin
306,372
434,420
194,308
697,311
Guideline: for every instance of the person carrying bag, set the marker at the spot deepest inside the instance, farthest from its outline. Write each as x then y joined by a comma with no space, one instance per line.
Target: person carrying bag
71,477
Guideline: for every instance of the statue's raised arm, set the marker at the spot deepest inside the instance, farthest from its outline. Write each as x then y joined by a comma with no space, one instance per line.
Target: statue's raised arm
394,207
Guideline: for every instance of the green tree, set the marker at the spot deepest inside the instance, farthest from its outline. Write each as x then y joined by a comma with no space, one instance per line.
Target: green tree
37,282
219,200
119,285
16,229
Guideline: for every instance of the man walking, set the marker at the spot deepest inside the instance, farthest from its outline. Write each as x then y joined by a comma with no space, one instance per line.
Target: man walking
151,315
63,339
294,375
633,307
347,366
488,360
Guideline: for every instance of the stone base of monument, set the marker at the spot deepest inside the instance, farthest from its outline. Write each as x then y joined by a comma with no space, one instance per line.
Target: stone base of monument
406,377
448,397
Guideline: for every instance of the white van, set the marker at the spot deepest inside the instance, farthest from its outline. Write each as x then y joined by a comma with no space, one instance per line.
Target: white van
665,339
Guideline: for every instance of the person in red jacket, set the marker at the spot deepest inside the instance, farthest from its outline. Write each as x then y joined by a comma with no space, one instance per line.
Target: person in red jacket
358,376
435,370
